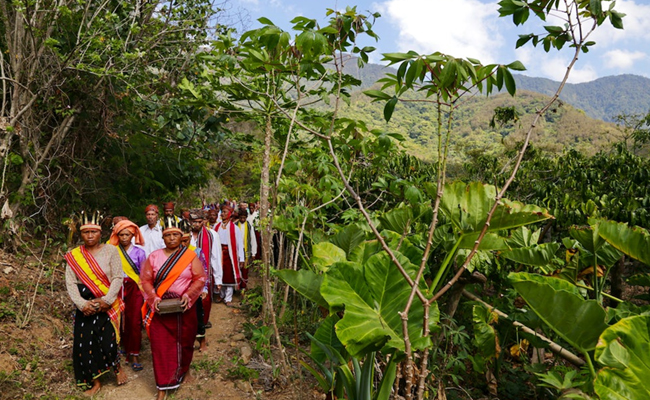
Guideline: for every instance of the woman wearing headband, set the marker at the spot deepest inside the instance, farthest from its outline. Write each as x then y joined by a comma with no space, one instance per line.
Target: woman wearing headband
93,277
172,280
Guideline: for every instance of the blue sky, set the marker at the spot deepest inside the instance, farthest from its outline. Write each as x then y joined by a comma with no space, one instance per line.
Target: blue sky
472,28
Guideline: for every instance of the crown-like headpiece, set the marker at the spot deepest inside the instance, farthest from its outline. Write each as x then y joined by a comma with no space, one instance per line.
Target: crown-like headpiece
170,223
91,221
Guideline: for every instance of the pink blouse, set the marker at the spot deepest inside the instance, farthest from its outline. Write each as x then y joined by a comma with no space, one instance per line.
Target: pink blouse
190,281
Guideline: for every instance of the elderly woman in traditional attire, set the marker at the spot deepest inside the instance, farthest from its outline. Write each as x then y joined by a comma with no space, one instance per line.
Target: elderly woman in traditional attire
93,277
172,280
125,233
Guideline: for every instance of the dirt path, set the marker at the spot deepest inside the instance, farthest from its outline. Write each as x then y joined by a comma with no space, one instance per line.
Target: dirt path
208,368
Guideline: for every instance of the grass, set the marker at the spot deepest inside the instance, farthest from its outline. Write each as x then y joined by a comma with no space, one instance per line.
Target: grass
207,365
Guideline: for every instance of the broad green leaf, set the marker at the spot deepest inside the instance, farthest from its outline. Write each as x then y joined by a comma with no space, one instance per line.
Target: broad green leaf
467,206
348,238
511,85
265,21
538,255
397,219
371,318
491,241
558,304
326,334
517,65
485,335
623,350
596,7
404,246
389,108
634,242
524,237
325,254
305,282
377,94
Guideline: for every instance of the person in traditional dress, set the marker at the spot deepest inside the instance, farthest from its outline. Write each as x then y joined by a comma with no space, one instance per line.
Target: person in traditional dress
228,278
152,231
185,215
174,272
208,241
250,244
93,278
186,227
254,219
169,211
212,218
126,235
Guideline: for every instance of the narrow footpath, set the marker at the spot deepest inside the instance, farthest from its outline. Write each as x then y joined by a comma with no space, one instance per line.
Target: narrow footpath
225,341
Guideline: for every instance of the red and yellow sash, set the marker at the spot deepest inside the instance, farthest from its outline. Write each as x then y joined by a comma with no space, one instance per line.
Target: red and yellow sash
94,278
165,278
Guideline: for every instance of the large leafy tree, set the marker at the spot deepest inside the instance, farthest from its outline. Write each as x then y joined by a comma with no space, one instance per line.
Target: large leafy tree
71,70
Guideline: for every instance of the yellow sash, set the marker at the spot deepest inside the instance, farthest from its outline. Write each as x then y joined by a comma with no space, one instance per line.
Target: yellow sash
128,269
96,285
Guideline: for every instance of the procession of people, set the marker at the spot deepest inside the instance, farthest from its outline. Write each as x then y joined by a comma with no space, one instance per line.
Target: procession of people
161,277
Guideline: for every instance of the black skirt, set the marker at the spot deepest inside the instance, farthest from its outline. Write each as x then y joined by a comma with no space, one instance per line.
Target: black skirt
95,344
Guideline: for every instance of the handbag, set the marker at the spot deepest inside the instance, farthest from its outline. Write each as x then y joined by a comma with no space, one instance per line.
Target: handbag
170,306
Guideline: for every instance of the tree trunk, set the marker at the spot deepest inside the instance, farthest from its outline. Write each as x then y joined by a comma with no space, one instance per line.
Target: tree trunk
264,215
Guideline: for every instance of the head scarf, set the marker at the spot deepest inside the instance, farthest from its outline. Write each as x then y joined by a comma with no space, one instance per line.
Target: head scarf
196,213
122,225
169,205
151,207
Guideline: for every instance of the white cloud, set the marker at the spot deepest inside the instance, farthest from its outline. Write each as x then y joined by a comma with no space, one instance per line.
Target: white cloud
622,59
635,24
461,28
555,68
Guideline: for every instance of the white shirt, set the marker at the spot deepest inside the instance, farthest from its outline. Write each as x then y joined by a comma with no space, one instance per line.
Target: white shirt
252,218
251,233
152,238
215,255
224,235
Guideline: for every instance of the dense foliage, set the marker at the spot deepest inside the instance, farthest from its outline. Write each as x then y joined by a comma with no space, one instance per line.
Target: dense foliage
377,246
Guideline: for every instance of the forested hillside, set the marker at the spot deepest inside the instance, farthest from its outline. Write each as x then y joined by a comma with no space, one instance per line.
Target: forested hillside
604,98
565,127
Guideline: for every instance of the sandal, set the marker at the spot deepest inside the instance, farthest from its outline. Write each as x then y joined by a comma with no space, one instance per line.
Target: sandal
137,367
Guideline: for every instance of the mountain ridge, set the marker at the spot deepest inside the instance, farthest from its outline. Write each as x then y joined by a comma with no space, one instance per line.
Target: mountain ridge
604,98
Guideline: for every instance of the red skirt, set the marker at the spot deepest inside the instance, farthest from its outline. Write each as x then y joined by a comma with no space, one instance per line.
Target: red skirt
172,346
229,277
132,318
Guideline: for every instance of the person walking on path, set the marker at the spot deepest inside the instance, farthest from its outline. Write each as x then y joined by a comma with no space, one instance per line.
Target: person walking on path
229,279
152,231
93,278
172,280
250,244
132,257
